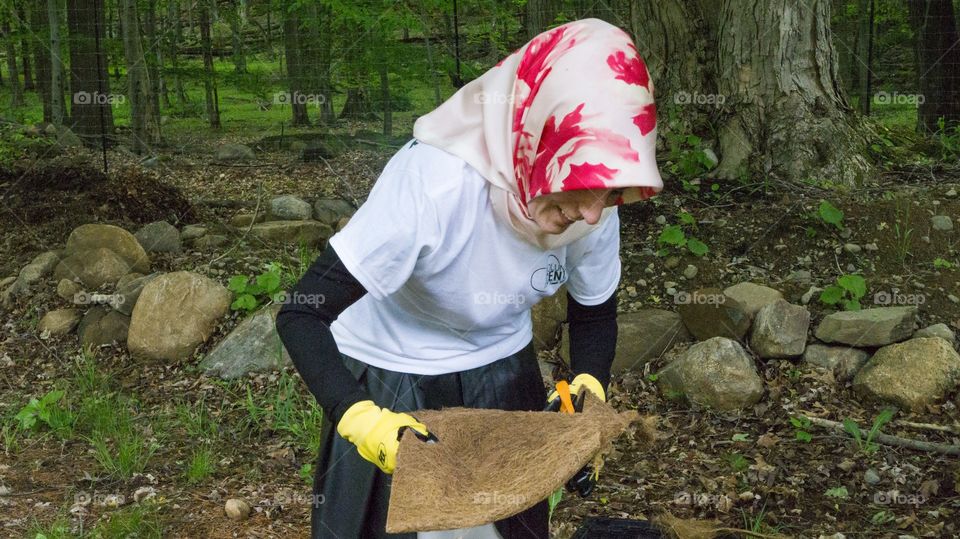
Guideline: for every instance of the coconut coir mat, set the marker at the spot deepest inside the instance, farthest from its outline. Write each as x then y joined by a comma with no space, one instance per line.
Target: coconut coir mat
492,464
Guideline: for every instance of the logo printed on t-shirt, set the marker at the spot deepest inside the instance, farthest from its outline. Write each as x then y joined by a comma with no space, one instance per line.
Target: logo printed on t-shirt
552,274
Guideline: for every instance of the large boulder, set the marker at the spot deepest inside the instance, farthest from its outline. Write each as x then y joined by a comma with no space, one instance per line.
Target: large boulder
780,330
709,313
129,292
311,233
38,268
911,374
548,315
870,327
253,346
159,237
59,322
752,297
94,267
229,153
641,336
102,325
174,314
938,330
717,373
329,211
844,362
290,208
124,244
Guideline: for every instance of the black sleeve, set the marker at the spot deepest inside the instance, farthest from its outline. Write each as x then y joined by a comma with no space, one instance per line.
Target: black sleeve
593,337
324,291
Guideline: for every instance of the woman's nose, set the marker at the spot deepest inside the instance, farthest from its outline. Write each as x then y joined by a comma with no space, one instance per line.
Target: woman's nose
591,213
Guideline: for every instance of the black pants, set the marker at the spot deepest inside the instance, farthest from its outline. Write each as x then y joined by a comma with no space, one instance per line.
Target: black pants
351,495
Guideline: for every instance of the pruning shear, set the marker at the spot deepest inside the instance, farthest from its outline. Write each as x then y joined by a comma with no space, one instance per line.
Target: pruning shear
583,481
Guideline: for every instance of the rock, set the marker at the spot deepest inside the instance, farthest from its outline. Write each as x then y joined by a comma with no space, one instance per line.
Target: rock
846,465
175,313
39,267
870,327
937,330
941,222
953,299
752,297
329,211
192,232
808,295
159,237
67,138
951,193
312,233
94,267
298,146
910,374
871,477
229,153
780,330
128,278
7,281
102,325
641,336
671,262
851,248
59,322
690,271
130,291
800,276
68,289
210,241
236,509
342,223
253,346
661,220
709,312
290,208
124,244
842,361
548,315
871,247
717,373
243,220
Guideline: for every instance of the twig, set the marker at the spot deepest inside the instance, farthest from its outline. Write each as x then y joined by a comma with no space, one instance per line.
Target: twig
929,426
888,439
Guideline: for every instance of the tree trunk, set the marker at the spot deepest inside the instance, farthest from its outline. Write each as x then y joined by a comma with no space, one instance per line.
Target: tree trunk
15,91
385,96
56,64
540,15
938,63
92,113
327,116
152,56
765,71
864,53
143,123
173,13
41,59
25,63
291,44
437,100
209,80
236,37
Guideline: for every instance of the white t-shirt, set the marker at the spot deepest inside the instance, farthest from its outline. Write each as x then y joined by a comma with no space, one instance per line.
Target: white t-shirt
450,285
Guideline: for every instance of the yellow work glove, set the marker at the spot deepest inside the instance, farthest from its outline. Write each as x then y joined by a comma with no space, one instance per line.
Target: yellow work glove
376,432
580,381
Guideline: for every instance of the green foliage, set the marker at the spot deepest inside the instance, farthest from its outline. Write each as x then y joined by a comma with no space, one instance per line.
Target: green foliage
738,462
830,214
253,291
49,410
940,263
801,426
839,493
948,139
554,500
306,473
740,437
865,443
902,231
200,466
675,236
846,293
686,158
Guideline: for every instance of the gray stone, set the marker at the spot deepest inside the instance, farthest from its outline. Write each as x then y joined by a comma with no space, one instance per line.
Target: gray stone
39,267
717,373
229,153
842,361
243,220
671,262
253,346
102,325
124,244
192,232
67,289
851,248
780,330
808,295
800,276
938,330
130,293
690,271
210,241
59,322
68,139
175,313
94,267
752,297
312,233
869,327
941,222
132,276
290,208
159,237
709,312
910,374
641,337
329,211
871,477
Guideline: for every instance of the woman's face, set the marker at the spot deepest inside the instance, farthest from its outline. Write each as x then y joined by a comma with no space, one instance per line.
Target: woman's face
554,212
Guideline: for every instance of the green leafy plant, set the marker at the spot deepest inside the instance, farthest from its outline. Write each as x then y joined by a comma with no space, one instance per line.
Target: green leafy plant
48,410
687,159
738,462
676,236
948,137
940,263
830,214
846,293
201,465
553,501
253,291
838,492
865,443
801,425
740,437
306,473
902,231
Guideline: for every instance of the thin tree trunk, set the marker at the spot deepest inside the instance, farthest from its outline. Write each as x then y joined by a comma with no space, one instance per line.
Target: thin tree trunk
209,80
25,63
433,72
92,112
15,90
236,36
291,43
144,124
864,53
385,96
56,64
938,63
173,12
327,116
152,56
41,59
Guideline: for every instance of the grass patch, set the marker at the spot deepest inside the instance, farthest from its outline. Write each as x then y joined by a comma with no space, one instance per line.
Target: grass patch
200,466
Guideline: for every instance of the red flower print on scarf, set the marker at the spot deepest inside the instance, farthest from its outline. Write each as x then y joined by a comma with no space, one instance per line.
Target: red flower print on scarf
630,70
647,119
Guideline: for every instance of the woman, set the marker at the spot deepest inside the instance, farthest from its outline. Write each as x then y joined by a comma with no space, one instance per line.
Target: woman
508,191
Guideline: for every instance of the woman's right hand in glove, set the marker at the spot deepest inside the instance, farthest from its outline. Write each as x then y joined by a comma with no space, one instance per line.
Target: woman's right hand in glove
376,432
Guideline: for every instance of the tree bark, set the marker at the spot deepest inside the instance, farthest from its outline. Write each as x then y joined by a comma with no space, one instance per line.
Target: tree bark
25,63
291,44
938,63
539,15
385,95
143,123
209,79
41,59
236,37
56,64
92,113
15,90
152,56
173,13
864,53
